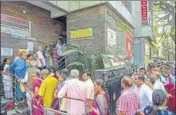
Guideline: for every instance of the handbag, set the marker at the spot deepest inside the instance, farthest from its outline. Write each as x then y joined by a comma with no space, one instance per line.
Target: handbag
55,104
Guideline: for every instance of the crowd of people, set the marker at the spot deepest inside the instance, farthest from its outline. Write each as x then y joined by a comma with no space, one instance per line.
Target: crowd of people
148,92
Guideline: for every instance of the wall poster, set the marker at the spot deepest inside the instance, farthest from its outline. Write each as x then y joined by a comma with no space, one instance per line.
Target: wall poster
111,37
6,51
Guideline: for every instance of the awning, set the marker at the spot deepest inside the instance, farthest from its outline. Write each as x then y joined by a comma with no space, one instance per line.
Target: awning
143,32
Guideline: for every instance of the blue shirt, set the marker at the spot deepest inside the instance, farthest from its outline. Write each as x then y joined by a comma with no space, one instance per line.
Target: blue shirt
19,68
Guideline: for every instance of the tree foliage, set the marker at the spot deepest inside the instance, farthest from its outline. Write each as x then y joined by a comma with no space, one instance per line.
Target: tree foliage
165,15
163,43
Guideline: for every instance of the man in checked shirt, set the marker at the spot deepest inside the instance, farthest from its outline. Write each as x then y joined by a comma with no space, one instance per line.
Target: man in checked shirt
129,101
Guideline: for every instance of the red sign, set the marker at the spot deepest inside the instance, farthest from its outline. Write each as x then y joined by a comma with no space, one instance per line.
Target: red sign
129,45
144,11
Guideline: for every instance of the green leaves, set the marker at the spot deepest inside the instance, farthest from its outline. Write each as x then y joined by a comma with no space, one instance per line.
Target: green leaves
75,64
66,53
72,46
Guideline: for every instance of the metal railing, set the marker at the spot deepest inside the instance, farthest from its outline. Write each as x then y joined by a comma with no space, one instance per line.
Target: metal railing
25,106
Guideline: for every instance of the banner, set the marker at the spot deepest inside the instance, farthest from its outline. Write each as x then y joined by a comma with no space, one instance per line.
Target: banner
129,45
144,11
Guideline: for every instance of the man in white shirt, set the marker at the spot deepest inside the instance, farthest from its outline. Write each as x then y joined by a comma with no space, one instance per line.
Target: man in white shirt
145,93
40,58
90,86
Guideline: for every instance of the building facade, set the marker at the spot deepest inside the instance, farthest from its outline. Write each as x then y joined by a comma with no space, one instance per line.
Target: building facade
112,27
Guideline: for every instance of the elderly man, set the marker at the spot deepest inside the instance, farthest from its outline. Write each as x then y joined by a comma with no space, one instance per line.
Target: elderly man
145,92
129,102
75,89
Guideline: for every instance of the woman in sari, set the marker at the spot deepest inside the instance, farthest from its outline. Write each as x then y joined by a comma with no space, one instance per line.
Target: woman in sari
101,102
37,103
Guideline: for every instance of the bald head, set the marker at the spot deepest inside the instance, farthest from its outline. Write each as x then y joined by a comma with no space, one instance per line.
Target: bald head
127,82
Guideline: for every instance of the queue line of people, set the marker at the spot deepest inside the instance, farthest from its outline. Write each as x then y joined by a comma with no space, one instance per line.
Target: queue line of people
143,93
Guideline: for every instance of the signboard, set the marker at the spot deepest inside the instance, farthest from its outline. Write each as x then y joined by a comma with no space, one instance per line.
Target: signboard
129,45
82,33
111,37
144,11
6,51
10,24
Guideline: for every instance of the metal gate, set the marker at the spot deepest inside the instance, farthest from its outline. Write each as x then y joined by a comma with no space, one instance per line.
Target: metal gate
112,78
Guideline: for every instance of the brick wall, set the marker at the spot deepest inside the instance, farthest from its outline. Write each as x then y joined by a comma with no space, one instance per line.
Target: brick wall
88,18
42,25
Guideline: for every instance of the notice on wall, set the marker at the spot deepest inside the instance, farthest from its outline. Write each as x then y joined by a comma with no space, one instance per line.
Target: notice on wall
23,50
111,37
30,46
10,24
6,51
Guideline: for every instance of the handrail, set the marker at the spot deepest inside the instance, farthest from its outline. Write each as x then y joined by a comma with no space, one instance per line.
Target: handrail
55,111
